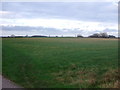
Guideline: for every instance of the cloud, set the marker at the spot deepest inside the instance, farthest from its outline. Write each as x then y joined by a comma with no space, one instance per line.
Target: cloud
59,17
4,12
110,30
59,27
88,11
23,30
18,28
60,24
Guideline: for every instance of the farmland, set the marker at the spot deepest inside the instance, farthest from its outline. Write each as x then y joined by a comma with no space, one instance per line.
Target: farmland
61,62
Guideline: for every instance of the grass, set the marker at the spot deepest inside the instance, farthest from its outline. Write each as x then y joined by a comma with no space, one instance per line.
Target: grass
61,62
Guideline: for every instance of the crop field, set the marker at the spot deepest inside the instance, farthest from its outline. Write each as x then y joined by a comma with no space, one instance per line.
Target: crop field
61,62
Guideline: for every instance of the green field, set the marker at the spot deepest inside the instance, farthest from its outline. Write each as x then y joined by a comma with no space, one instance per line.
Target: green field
61,62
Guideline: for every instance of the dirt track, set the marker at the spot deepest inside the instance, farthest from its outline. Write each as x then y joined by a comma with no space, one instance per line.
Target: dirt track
8,84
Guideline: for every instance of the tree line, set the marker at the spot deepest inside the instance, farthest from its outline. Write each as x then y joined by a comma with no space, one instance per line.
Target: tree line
96,35
99,35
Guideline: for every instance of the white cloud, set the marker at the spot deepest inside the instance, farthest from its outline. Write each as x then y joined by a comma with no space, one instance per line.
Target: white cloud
5,12
85,18
58,0
66,26
60,24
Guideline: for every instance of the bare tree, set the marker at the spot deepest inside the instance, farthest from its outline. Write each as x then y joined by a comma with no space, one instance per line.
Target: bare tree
99,35
104,35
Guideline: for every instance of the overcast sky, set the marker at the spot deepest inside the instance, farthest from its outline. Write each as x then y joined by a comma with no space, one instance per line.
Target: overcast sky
59,18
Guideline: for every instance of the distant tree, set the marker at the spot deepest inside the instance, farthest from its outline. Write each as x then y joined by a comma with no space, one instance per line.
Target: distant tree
26,36
104,35
12,35
96,35
79,35
99,35
111,36
38,36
